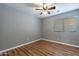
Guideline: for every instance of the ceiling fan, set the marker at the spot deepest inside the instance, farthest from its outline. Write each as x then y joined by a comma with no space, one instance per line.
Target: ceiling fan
46,8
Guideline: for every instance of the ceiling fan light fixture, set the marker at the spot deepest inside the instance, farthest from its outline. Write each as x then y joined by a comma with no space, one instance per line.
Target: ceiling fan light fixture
44,12
46,7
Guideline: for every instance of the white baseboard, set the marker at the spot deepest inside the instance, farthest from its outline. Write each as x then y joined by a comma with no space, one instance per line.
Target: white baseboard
61,43
19,45
36,41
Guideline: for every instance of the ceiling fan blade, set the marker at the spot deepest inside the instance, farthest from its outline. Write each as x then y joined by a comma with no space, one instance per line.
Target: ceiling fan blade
39,9
52,8
41,13
48,12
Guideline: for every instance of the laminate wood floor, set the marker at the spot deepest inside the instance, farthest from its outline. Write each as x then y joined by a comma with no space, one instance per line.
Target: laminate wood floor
43,48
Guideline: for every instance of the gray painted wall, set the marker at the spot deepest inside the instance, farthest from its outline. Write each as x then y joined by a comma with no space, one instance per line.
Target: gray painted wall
17,27
67,37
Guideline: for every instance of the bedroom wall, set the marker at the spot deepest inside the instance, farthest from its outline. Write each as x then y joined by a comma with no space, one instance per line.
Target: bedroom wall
66,37
17,27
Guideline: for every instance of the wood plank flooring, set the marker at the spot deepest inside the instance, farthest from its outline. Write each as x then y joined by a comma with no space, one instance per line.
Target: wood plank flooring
43,48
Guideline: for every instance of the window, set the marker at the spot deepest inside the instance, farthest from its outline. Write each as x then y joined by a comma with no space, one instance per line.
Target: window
59,25
70,24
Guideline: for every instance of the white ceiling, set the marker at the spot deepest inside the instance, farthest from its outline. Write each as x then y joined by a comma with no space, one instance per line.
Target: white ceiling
60,8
